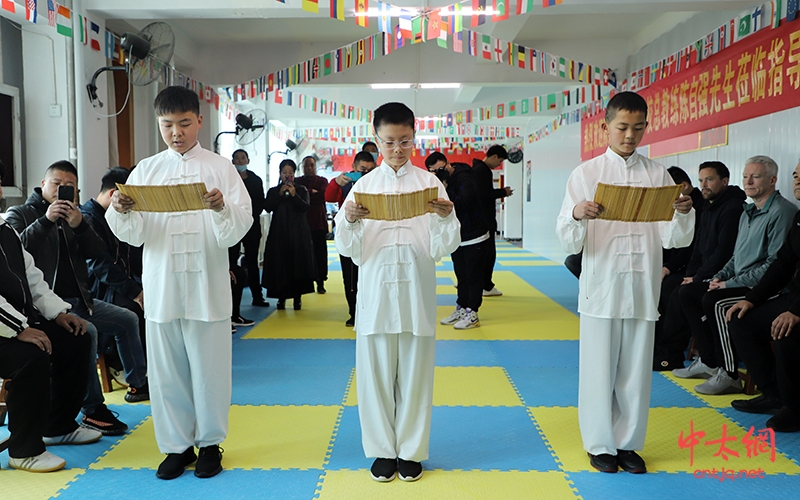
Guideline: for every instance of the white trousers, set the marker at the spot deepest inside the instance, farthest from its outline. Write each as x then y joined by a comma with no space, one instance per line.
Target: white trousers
189,371
394,376
616,363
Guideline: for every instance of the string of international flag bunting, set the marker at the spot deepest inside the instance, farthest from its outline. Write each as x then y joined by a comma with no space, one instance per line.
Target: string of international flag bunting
445,26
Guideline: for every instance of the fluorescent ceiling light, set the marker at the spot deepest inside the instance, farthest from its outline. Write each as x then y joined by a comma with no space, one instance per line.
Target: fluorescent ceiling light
439,85
385,86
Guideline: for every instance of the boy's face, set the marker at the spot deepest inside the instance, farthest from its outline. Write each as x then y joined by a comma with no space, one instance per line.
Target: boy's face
625,131
363,166
179,130
400,139
54,179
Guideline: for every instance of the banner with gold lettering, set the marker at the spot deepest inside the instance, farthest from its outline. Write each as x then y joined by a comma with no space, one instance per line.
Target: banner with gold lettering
593,139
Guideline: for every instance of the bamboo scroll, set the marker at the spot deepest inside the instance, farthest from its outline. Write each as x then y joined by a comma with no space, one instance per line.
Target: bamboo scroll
636,204
397,206
174,198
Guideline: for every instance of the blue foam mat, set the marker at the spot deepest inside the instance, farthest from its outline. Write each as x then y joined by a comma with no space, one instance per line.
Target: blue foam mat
464,353
285,352
537,353
290,385
144,485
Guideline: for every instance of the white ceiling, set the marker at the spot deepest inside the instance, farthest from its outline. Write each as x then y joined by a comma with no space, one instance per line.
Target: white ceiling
224,42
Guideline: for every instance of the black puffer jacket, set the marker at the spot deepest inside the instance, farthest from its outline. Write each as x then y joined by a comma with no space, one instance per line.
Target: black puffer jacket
40,237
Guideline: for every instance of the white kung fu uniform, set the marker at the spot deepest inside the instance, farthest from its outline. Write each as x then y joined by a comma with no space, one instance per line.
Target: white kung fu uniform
187,296
619,290
396,317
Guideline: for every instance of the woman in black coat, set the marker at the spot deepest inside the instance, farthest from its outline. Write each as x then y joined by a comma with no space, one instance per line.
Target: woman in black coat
288,256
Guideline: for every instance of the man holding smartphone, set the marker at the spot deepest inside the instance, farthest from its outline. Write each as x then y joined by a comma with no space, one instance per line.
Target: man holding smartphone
53,231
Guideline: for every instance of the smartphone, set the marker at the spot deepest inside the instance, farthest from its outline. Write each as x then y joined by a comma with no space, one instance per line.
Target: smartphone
354,175
66,193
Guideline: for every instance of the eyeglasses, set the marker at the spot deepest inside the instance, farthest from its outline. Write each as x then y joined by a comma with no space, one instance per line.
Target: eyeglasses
407,144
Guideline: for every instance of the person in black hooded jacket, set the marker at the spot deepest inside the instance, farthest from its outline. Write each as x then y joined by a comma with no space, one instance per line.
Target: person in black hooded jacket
469,261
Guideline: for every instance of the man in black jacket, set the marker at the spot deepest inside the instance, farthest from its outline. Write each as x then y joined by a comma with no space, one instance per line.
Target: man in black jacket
115,276
764,329
60,241
470,257
482,170
713,247
251,240
39,340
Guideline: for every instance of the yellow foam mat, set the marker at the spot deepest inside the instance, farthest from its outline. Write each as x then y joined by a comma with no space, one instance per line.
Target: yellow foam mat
22,485
290,437
519,253
522,313
528,263
464,386
661,449
721,401
440,484
322,316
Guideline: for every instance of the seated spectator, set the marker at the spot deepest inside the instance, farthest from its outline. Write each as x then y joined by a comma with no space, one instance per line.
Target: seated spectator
760,325
60,240
762,231
469,260
39,342
363,163
672,332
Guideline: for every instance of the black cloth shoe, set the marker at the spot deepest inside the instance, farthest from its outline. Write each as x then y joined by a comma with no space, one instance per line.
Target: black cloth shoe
761,404
630,461
103,420
321,288
350,322
786,420
175,463
298,304
242,321
209,461
136,394
281,305
409,471
603,462
259,302
384,469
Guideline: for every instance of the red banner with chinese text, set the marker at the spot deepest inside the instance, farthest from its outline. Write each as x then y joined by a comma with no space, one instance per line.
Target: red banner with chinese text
757,76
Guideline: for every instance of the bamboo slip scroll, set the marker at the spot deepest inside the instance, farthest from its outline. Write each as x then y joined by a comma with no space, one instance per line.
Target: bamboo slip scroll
636,204
174,198
397,206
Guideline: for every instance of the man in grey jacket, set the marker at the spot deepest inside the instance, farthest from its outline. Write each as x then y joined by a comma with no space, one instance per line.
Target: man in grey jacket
762,230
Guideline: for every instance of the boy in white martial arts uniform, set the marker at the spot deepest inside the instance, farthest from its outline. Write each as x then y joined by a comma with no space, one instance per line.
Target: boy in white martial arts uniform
186,287
619,289
396,317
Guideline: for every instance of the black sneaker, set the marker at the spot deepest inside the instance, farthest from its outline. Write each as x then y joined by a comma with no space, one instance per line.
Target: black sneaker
409,471
175,463
760,404
136,394
631,462
321,289
259,302
209,461
281,305
603,462
105,421
350,322
384,469
241,321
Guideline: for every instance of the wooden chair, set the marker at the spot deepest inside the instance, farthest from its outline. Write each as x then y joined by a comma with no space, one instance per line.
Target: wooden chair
105,373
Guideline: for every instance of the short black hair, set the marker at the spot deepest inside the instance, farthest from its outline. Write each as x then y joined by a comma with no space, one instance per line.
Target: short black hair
368,143
497,150
240,151
625,101
307,157
679,176
722,170
393,113
114,176
289,162
176,99
364,156
435,158
62,166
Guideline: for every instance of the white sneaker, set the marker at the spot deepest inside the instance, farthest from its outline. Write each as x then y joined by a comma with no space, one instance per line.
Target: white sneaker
697,369
453,318
720,383
494,292
43,462
119,376
81,435
469,320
